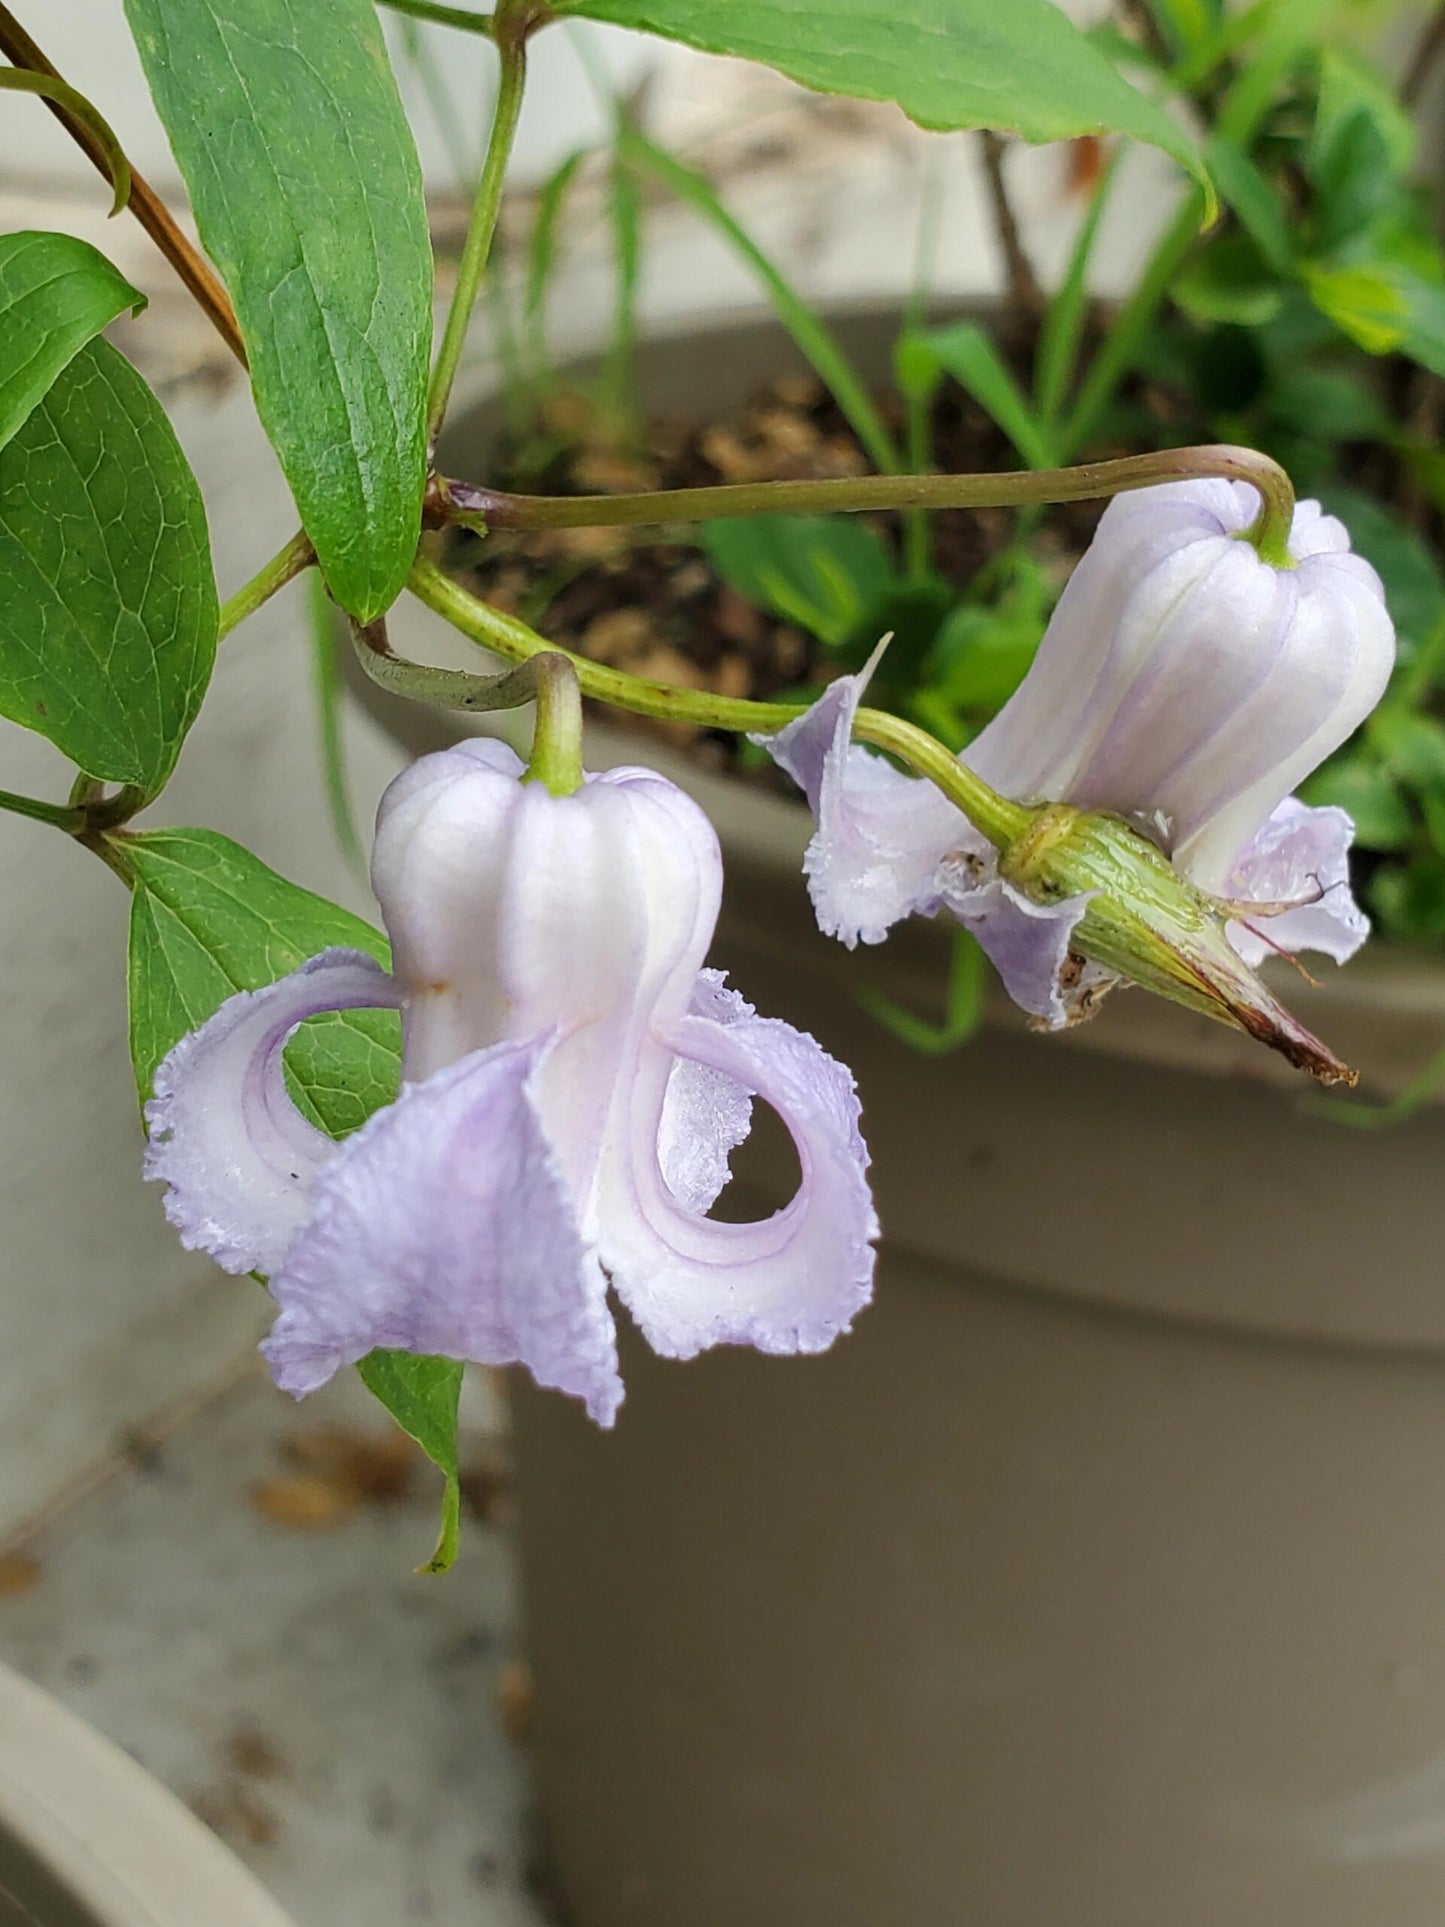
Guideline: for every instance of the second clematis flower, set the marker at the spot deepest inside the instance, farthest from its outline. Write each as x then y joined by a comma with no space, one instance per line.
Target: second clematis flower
1184,685
573,1083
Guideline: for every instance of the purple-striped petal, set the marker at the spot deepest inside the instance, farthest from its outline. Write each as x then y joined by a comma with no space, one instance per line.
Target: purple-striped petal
789,1283
236,1156
446,1226
1301,856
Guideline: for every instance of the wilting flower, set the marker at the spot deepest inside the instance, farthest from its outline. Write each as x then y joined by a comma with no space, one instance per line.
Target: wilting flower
573,1082
1183,684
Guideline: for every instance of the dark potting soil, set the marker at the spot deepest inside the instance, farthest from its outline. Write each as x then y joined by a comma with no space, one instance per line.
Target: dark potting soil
657,607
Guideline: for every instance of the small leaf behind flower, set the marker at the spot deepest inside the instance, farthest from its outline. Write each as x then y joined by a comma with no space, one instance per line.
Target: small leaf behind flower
209,919
422,1395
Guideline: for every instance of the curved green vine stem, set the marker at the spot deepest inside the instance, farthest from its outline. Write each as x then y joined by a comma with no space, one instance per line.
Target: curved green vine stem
993,815
297,556
464,503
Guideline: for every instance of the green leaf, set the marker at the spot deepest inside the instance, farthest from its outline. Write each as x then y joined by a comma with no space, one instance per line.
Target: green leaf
814,338
1021,66
967,352
26,80
1411,745
330,693
1348,86
208,919
1229,281
56,293
1369,795
422,1395
1353,179
1363,302
1250,194
1328,403
823,572
1409,898
542,249
286,122
107,604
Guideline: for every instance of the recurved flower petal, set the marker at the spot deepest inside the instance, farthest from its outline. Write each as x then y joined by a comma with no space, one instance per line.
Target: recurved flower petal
1300,857
888,846
881,835
788,1283
236,1156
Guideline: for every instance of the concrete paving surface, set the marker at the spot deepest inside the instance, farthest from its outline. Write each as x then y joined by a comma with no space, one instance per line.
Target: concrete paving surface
236,1606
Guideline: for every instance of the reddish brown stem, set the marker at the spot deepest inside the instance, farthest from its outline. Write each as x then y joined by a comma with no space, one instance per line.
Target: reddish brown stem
146,205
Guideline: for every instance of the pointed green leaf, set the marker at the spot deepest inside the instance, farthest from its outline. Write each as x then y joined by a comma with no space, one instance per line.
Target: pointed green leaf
823,572
967,352
1019,65
107,603
56,293
286,122
422,1395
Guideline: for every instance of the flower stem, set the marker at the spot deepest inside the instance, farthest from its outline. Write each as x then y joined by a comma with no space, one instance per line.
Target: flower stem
512,22
297,556
557,732
462,502
548,678
146,205
993,815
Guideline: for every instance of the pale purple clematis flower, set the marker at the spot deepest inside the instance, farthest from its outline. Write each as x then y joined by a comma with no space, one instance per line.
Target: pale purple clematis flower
1184,684
573,1082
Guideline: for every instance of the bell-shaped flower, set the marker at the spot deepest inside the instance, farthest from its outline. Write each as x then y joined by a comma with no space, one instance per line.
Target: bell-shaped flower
573,1083
1184,684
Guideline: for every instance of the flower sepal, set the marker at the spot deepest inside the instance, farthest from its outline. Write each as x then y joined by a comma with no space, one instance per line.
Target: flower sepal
1146,923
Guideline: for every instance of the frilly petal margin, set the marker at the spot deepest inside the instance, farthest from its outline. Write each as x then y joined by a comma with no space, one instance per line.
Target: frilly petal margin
888,846
1300,856
445,1227
881,835
788,1283
705,1114
235,1155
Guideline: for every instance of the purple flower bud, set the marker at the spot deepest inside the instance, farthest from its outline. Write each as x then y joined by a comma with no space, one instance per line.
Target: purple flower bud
1183,684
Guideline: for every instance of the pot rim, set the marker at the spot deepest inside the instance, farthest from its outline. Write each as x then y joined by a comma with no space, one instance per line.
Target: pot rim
96,1841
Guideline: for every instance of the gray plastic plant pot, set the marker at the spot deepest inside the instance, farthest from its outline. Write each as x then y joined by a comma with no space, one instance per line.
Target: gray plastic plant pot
89,1839
1097,1578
